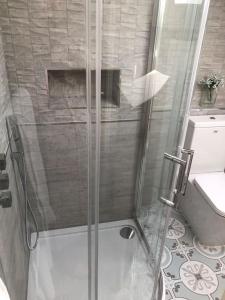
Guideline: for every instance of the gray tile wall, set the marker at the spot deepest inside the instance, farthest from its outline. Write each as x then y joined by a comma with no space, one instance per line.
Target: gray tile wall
61,171
212,57
14,256
48,34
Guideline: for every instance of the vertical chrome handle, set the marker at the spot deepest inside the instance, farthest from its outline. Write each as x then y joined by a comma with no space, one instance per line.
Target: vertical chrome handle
190,155
182,164
182,179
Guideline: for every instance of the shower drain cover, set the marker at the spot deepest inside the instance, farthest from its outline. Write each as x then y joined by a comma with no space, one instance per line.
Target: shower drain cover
127,232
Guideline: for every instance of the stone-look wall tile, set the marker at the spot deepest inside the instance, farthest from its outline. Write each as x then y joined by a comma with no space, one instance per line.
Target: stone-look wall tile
38,5
41,51
58,22
66,172
4,12
42,87
38,15
212,57
76,7
5,25
52,35
59,44
57,14
119,23
18,13
57,5
40,36
40,22
14,256
20,26
76,55
22,4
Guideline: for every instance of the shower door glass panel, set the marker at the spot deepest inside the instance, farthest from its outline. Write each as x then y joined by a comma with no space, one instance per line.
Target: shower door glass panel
123,267
177,33
51,132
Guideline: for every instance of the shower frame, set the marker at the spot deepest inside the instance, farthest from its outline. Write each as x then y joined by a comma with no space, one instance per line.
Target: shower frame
146,124
94,121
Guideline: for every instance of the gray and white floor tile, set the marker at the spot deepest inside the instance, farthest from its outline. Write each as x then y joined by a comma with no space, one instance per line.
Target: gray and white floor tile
191,271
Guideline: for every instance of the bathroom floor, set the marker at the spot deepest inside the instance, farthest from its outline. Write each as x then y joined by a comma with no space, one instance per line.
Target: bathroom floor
59,269
191,271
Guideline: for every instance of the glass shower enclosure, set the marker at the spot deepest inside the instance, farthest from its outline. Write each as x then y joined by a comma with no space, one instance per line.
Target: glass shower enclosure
100,92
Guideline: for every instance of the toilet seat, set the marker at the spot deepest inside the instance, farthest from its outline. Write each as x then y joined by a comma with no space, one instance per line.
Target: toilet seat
212,188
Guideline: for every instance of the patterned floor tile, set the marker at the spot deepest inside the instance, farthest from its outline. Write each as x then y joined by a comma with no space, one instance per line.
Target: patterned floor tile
191,271
168,295
181,291
198,277
179,231
171,244
173,270
214,264
166,258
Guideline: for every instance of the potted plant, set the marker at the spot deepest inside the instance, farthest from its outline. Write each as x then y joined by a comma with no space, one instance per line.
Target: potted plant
211,84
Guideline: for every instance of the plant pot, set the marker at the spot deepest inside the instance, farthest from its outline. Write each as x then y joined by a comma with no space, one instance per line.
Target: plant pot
211,96
208,97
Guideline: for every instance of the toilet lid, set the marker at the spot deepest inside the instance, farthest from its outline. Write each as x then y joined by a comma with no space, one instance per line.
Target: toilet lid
212,187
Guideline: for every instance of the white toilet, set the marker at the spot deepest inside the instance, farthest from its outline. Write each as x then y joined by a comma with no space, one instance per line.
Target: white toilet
204,202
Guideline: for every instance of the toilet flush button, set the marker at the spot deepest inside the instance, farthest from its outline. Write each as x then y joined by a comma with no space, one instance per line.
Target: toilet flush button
215,131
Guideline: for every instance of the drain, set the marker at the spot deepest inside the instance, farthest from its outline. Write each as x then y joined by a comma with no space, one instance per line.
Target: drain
127,232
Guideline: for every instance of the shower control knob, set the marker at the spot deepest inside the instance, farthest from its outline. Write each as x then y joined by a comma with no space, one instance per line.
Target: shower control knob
5,199
4,181
2,161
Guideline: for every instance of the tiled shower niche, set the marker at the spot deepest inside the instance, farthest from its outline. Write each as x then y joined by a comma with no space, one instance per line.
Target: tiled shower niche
67,88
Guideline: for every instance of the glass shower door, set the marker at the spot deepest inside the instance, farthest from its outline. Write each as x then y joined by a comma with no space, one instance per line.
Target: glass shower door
178,37
133,128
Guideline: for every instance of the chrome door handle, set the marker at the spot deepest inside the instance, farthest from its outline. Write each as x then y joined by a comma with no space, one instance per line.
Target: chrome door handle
168,202
182,179
190,155
174,159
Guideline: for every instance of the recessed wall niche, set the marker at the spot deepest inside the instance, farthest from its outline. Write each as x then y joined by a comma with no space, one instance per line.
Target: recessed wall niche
67,88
